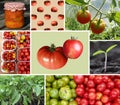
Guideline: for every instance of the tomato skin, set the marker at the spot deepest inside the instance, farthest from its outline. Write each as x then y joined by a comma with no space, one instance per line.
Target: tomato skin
97,29
72,48
51,59
83,17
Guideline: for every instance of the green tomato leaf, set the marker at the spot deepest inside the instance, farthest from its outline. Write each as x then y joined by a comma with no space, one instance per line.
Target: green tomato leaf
114,4
98,52
37,90
117,18
76,2
111,47
119,4
15,97
4,103
25,100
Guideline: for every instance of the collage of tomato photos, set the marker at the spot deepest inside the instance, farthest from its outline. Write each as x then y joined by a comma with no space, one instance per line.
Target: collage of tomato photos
59,52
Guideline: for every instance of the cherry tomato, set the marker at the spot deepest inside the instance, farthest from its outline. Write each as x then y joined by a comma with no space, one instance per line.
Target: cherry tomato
72,48
83,16
96,27
51,57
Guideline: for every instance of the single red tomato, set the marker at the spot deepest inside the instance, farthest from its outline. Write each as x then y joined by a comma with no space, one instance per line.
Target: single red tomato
79,79
51,57
83,16
96,27
72,48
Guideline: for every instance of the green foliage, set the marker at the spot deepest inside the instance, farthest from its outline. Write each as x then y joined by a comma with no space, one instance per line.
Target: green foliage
76,2
72,24
109,34
98,52
110,48
20,89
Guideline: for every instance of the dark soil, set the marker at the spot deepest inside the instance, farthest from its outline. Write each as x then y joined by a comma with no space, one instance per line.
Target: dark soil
97,62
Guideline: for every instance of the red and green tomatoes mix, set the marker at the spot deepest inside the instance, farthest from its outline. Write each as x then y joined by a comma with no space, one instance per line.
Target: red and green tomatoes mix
51,58
83,16
97,26
72,48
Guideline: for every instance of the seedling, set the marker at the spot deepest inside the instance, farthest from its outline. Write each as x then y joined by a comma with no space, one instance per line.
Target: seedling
105,53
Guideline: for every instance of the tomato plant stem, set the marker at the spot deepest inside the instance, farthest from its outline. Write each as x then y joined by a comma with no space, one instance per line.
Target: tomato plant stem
105,66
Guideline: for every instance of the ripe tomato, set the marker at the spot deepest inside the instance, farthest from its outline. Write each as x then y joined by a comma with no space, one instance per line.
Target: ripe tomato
83,16
97,28
72,48
51,57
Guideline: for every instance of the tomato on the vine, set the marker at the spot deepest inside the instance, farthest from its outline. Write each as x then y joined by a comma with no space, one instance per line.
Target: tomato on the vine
83,16
97,26
72,48
51,57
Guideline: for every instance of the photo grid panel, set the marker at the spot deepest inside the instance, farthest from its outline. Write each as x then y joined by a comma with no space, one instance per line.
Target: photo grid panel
59,52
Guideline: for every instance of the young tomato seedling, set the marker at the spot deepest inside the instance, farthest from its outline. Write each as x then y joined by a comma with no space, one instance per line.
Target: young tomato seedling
105,53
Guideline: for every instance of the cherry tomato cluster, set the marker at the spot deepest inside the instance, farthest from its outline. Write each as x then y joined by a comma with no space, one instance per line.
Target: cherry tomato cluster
97,89
56,57
15,44
97,25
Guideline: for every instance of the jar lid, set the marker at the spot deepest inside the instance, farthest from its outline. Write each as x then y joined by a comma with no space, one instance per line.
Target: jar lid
13,6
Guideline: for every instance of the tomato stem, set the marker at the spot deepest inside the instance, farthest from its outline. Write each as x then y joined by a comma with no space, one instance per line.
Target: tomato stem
52,47
73,38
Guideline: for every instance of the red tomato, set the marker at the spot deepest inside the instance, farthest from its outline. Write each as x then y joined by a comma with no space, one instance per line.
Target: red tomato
51,57
72,48
97,28
83,16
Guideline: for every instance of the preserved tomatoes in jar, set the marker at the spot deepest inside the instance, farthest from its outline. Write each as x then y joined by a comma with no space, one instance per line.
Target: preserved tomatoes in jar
14,14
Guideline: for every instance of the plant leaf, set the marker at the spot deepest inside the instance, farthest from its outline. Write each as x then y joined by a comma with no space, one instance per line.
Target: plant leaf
119,4
98,52
117,18
76,2
4,103
111,47
15,97
37,90
114,4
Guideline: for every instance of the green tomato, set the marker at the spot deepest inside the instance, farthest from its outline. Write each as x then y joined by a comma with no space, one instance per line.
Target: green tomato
63,102
53,102
48,89
66,79
54,93
73,93
47,102
47,96
61,83
73,103
55,84
70,76
65,93
48,84
50,78
58,76
72,84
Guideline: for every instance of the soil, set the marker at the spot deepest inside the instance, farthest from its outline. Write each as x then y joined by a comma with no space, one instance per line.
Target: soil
97,62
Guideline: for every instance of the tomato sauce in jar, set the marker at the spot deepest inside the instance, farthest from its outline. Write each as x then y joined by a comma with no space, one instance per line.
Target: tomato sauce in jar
14,14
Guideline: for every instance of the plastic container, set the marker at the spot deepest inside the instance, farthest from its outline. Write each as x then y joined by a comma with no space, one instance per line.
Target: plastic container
9,35
9,44
23,41
8,67
14,14
23,67
23,54
8,55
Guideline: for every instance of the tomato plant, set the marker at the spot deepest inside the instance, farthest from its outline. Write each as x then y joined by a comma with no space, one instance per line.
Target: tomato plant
106,11
21,90
51,57
72,48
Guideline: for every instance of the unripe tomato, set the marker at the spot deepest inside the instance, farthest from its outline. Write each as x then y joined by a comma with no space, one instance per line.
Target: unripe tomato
97,28
83,16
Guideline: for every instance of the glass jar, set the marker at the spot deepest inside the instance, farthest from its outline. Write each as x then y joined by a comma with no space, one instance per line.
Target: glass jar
14,14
